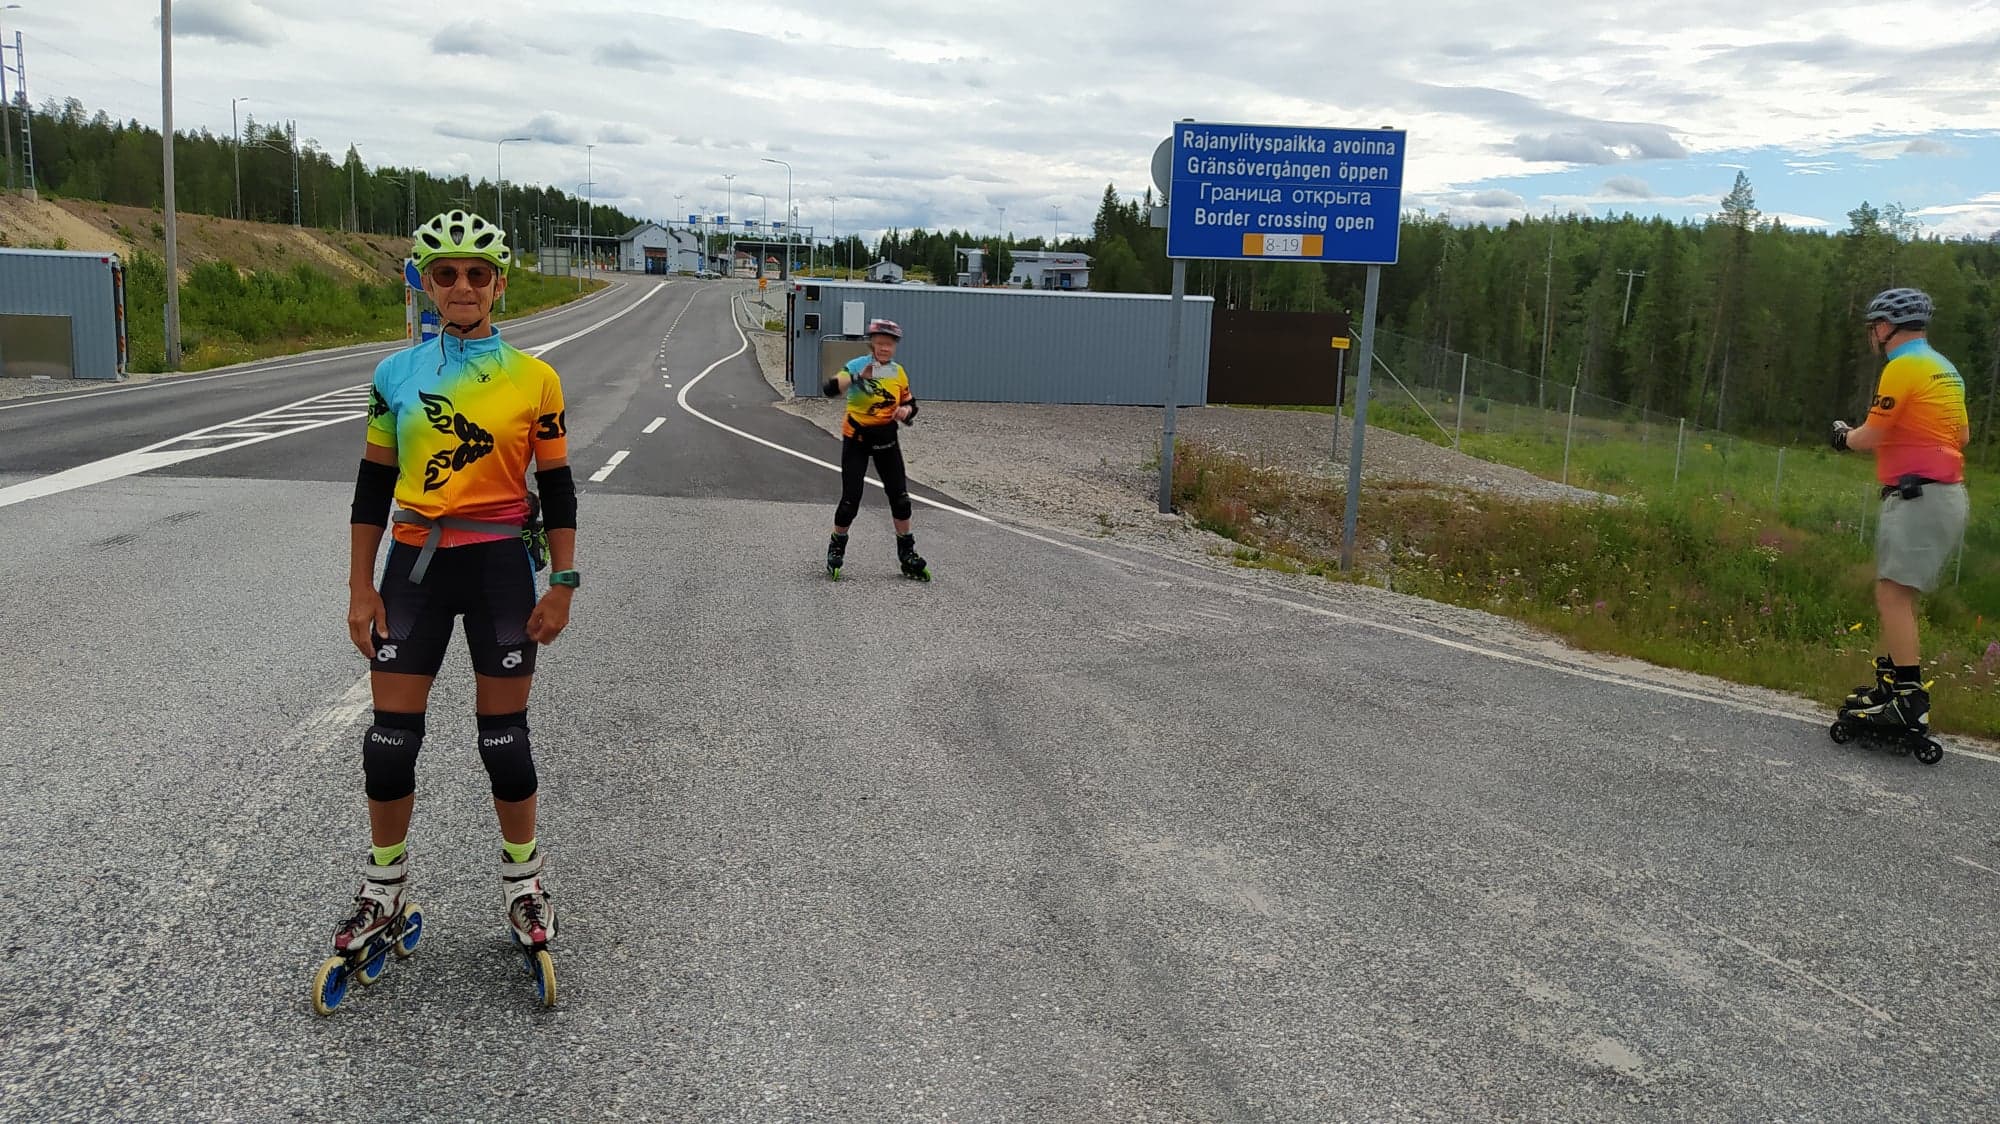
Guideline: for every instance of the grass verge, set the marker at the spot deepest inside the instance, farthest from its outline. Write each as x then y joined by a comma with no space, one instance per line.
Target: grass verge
1696,582
231,317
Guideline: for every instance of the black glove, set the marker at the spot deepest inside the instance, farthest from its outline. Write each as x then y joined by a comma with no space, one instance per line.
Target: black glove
1840,432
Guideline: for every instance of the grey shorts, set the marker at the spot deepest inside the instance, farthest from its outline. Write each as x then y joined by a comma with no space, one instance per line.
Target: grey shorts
1916,538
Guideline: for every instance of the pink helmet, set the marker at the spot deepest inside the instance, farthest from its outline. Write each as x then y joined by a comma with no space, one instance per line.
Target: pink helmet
884,328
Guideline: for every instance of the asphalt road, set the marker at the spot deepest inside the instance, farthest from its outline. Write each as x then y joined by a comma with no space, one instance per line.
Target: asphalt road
1070,834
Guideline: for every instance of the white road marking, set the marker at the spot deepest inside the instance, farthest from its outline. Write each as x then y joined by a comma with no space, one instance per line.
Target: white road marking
681,398
1973,865
1244,594
649,294
617,458
274,423
260,368
657,423
349,403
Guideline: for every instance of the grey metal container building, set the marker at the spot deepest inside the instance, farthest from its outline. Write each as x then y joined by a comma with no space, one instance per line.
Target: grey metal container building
1002,345
62,314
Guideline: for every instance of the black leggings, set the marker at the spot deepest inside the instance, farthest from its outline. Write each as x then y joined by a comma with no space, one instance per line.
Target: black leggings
879,444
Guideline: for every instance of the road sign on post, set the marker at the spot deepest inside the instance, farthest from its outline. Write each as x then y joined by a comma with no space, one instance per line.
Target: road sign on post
1285,193
1271,192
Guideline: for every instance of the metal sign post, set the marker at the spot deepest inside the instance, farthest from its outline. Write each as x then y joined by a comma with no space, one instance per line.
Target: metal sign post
1366,361
1339,387
1285,193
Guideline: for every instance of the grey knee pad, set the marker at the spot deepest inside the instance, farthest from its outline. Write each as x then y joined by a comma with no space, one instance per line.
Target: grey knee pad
508,762
389,762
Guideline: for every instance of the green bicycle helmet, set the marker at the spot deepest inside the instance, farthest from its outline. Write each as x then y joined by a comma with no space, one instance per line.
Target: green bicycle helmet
460,234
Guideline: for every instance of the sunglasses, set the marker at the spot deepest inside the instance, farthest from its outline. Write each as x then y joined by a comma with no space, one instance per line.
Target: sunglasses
477,276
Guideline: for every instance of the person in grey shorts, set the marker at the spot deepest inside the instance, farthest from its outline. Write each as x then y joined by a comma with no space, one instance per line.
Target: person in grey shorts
1917,429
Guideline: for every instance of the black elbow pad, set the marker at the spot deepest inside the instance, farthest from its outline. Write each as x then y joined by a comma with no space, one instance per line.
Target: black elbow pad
830,387
558,488
374,490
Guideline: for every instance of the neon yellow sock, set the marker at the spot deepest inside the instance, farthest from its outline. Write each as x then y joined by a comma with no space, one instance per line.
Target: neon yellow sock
392,853
518,852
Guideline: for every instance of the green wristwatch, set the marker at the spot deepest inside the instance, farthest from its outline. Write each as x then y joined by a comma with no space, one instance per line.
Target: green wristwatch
570,578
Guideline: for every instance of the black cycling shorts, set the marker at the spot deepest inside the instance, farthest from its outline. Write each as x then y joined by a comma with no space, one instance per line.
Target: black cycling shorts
490,584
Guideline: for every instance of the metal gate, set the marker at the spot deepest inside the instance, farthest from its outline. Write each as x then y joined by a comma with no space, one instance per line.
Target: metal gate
1276,358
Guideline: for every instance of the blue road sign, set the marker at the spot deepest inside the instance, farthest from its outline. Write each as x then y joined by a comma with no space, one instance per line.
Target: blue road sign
1277,193
411,275
694,218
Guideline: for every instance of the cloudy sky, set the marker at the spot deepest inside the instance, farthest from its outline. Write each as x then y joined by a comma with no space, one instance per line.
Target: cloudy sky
935,113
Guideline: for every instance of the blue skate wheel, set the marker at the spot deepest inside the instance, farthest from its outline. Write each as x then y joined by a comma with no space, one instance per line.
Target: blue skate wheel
329,985
371,969
413,931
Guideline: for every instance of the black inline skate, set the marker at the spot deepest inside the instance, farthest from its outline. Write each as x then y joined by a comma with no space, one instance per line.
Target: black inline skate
913,564
1900,721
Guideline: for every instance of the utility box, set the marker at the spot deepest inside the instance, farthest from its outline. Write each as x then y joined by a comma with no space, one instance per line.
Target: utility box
62,315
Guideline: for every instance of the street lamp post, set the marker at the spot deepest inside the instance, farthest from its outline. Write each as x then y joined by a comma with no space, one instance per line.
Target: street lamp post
729,217
499,182
1055,235
833,229
579,226
791,219
590,212
173,326
763,244
236,135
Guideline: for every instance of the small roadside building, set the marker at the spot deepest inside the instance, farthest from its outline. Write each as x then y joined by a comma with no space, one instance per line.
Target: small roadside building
1044,269
885,273
646,248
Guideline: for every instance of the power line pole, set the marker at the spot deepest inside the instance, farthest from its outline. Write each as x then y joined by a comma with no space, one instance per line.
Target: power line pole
173,327
27,111
1628,275
6,107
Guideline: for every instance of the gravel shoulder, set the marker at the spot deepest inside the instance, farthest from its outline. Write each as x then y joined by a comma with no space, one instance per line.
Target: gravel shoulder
1093,471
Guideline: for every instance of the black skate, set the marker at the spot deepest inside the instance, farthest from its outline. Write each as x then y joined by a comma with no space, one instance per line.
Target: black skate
913,564
382,922
1876,693
836,555
1902,722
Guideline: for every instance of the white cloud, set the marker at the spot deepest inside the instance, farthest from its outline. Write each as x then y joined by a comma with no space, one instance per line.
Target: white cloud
1978,217
914,112
1798,221
242,22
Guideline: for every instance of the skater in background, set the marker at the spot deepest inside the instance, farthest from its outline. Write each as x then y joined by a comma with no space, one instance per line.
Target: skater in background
878,397
1916,428
452,428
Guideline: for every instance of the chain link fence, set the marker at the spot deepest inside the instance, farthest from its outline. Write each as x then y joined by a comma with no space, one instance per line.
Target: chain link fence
1560,431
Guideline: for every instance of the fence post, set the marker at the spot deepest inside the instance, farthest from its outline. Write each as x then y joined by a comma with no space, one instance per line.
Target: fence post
1458,427
1680,443
1779,488
1569,432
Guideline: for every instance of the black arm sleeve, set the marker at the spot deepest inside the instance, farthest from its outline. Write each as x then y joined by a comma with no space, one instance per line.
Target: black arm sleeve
558,488
374,489
911,420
